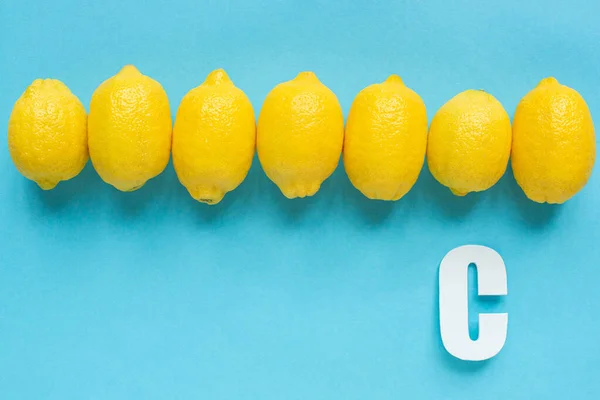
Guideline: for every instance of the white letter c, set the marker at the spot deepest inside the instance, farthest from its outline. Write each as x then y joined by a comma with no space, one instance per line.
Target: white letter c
454,309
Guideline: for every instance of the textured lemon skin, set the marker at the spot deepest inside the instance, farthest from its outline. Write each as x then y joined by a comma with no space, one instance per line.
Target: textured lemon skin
47,133
554,145
129,129
469,142
214,138
300,135
385,140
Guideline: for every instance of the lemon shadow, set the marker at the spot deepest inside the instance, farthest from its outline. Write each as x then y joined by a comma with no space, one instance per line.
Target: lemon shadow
372,212
536,215
294,210
133,204
204,213
442,199
81,189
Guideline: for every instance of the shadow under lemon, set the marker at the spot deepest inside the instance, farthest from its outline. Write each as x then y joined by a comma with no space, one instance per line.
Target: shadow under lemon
83,188
234,202
373,212
336,191
295,210
427,195
536,215
442,199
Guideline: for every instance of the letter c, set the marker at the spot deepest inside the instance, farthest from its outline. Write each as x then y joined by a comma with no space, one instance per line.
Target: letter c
454,311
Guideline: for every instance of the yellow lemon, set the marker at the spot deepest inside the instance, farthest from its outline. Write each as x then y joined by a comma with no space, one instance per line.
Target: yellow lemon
129,129
300,135
469,142
554,145
214,138
47,133
385,140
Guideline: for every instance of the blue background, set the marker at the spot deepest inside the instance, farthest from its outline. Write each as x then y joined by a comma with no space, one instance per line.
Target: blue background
150,295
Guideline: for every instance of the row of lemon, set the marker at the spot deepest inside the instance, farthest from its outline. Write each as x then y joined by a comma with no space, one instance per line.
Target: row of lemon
129,137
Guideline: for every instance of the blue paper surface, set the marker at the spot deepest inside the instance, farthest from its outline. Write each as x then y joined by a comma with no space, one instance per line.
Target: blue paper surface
150,295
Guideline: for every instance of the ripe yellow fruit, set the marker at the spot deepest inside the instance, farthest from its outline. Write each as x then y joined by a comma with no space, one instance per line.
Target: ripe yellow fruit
469,142
554,145
300,135
214,138
385,140
129,129
47,133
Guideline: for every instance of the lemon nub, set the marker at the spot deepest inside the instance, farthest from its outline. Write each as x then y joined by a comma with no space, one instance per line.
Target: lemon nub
548,81
129,70
393,78
217,77
307,76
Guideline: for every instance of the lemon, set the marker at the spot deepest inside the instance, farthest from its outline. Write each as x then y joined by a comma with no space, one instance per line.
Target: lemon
214,138
469,142
554,145
385,140
129,129
47,133
300,135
